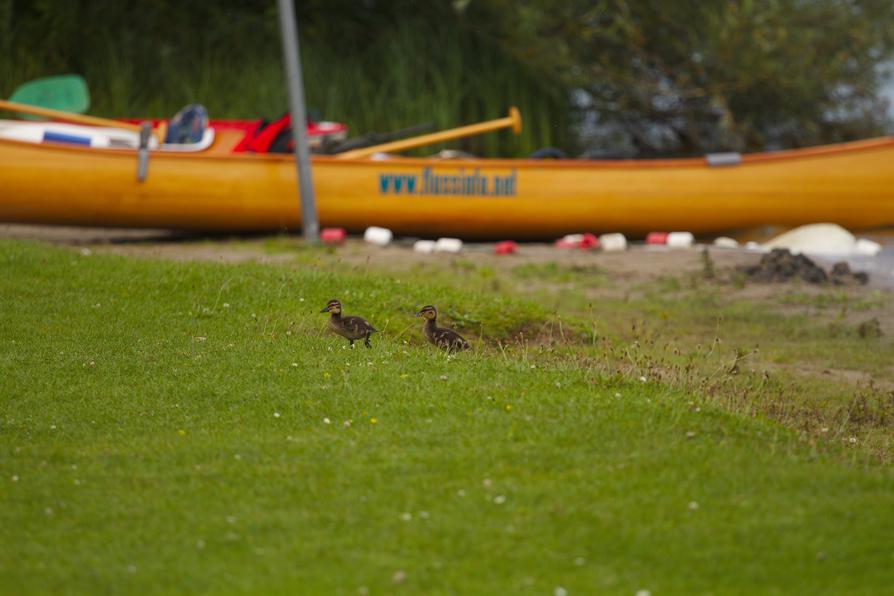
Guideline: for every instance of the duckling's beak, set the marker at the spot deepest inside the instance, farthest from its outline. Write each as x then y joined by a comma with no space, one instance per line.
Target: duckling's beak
325,309
419,314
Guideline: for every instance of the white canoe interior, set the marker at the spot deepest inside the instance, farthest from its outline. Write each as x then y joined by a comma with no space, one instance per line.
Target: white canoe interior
91,136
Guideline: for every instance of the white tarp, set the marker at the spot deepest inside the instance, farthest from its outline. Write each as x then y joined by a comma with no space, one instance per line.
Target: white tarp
824,239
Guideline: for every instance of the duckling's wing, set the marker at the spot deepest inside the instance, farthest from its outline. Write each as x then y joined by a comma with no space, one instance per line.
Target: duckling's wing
450,339
358,325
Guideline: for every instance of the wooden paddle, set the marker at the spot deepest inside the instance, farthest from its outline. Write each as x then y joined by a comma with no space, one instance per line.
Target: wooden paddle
513,121
66,116
79,118
67,93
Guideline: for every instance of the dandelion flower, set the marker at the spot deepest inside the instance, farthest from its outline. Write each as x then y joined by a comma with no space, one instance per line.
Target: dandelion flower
373,421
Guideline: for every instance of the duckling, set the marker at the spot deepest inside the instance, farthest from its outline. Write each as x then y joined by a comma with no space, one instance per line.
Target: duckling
446,339
350,328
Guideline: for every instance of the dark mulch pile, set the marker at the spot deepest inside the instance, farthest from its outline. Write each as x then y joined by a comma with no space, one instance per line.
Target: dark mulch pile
782,265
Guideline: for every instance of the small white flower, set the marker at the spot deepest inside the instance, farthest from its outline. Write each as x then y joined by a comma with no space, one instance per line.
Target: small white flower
443,377
15,478
423,514
617,395
326,421
499,499
459,493
131,568
295,364
276,414
579,561
347,423
237,457
52,427
693,505
560,591
642,379
301,300
231,519
200,544
399,576
406,516
643,593
487,482
48,510
533,366
852,440
86,252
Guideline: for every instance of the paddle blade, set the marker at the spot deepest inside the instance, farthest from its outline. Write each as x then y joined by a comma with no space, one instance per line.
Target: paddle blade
66,93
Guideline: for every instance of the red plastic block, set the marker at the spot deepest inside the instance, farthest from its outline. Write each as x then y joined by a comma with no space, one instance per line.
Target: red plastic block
507,247
656,238
332,235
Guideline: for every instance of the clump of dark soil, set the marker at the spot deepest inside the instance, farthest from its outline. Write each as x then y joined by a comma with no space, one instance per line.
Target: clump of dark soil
780,265
869,328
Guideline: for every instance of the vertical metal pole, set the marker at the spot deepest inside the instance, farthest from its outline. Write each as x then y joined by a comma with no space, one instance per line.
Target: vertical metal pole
299,121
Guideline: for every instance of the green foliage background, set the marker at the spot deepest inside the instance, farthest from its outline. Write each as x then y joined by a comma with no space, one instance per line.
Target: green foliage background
612,77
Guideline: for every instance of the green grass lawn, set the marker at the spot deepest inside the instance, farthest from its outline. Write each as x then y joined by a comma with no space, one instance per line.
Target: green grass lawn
188,428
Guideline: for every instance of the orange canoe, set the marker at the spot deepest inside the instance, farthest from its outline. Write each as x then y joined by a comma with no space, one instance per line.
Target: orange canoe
850,184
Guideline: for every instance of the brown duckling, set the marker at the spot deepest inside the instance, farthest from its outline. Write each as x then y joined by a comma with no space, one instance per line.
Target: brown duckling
351,328
446,339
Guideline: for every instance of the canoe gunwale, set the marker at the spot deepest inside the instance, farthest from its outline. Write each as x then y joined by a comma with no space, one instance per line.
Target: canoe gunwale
694,162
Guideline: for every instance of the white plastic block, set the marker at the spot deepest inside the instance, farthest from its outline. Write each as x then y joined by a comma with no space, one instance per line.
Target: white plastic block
867,247
378,236
613,242
453,245
680,239
725,242
424,246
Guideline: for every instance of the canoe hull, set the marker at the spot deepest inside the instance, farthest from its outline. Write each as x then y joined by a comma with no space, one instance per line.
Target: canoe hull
852,185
